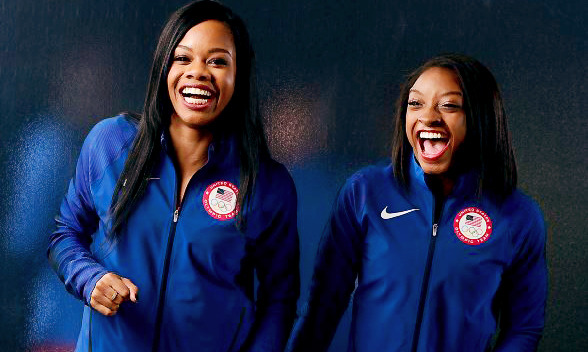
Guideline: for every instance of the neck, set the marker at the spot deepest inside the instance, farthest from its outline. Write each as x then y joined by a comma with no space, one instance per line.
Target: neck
440,184
190,146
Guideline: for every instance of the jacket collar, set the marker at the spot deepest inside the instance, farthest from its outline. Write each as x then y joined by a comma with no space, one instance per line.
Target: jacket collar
223,148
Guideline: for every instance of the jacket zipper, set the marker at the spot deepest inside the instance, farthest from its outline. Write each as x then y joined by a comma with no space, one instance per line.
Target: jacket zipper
163,285
166,263
427,275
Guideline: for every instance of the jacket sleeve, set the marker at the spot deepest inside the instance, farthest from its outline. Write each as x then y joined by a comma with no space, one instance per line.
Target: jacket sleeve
524,289
276,260
68,250
336,267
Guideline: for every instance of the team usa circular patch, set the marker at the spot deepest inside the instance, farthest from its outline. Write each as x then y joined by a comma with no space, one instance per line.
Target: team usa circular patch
220,200
472,226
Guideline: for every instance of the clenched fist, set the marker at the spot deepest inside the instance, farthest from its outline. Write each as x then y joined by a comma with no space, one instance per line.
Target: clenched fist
110,291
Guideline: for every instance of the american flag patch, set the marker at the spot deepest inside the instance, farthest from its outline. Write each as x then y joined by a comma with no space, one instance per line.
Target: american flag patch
220,200
224,194
472,226
472,220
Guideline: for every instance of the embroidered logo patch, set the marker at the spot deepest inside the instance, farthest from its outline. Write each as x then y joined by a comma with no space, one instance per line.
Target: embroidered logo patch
472,226
220,200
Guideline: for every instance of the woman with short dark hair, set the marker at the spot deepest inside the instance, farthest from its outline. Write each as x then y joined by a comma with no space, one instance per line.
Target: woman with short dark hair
439,249
184,205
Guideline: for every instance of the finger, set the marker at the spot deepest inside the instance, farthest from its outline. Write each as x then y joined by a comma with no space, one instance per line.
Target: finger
133,289
119,286
104,299
115,297
103,309
107,286
106,281
110,283
112,295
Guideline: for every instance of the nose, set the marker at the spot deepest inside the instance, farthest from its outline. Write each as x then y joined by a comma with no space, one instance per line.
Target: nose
431,116
198,70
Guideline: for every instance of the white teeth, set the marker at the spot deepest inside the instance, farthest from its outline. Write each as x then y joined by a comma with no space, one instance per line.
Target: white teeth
431,135
195,100
194,90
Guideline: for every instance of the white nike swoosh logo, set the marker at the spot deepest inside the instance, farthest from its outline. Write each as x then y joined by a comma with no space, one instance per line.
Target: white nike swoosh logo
385,215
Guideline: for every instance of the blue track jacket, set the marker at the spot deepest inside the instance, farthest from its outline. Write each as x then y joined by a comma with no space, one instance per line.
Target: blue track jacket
425,285
194,268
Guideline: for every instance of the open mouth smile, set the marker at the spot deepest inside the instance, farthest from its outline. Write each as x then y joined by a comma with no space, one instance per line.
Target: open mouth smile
433,144
199,96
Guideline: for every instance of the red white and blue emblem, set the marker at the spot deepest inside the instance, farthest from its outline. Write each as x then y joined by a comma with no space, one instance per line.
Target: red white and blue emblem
220,200
472,226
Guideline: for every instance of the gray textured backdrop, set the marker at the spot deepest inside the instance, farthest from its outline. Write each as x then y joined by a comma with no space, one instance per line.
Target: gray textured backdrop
329,73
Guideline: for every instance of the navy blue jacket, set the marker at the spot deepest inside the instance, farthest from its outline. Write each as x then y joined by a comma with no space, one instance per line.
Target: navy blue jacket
426,284
194,269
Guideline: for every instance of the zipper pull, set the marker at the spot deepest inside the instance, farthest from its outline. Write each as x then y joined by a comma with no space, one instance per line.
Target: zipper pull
176,214
435,226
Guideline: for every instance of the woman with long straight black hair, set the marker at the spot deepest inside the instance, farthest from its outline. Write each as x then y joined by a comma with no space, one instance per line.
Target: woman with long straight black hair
438,248
183,205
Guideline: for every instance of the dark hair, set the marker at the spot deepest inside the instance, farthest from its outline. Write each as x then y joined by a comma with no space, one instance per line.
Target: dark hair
487,144
240,117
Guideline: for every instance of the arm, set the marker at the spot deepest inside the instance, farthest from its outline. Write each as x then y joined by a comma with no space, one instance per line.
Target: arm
524,290
68,250
276,259
69,246
337,264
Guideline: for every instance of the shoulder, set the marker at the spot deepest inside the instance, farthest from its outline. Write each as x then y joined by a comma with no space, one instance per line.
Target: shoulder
370,177
363,188
525,219
522,208
372,173
108,141
116,130
274,195
275,175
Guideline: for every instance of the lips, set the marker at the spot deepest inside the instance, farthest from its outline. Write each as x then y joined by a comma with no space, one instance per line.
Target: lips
197,97
433,144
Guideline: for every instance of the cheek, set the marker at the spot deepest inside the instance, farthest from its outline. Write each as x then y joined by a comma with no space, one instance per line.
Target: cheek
229,86
459,131
408,126
171,82
462,128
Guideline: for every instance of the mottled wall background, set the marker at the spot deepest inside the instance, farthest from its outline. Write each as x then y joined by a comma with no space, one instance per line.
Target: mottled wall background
329,73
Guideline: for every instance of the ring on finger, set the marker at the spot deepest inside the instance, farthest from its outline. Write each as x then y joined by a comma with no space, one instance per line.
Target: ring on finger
114,296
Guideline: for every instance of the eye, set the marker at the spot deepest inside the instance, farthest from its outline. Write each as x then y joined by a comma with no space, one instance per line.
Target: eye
414,104
450,107
218,61
181,58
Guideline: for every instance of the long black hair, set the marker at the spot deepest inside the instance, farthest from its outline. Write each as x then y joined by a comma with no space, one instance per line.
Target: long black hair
241,113
487,146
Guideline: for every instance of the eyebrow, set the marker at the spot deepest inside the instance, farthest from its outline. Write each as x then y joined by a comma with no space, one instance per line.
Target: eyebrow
453,92
211,51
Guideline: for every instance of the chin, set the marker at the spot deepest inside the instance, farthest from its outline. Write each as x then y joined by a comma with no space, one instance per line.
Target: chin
195,120
433,168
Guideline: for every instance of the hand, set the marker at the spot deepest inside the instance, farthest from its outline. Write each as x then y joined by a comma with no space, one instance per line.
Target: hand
110,291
